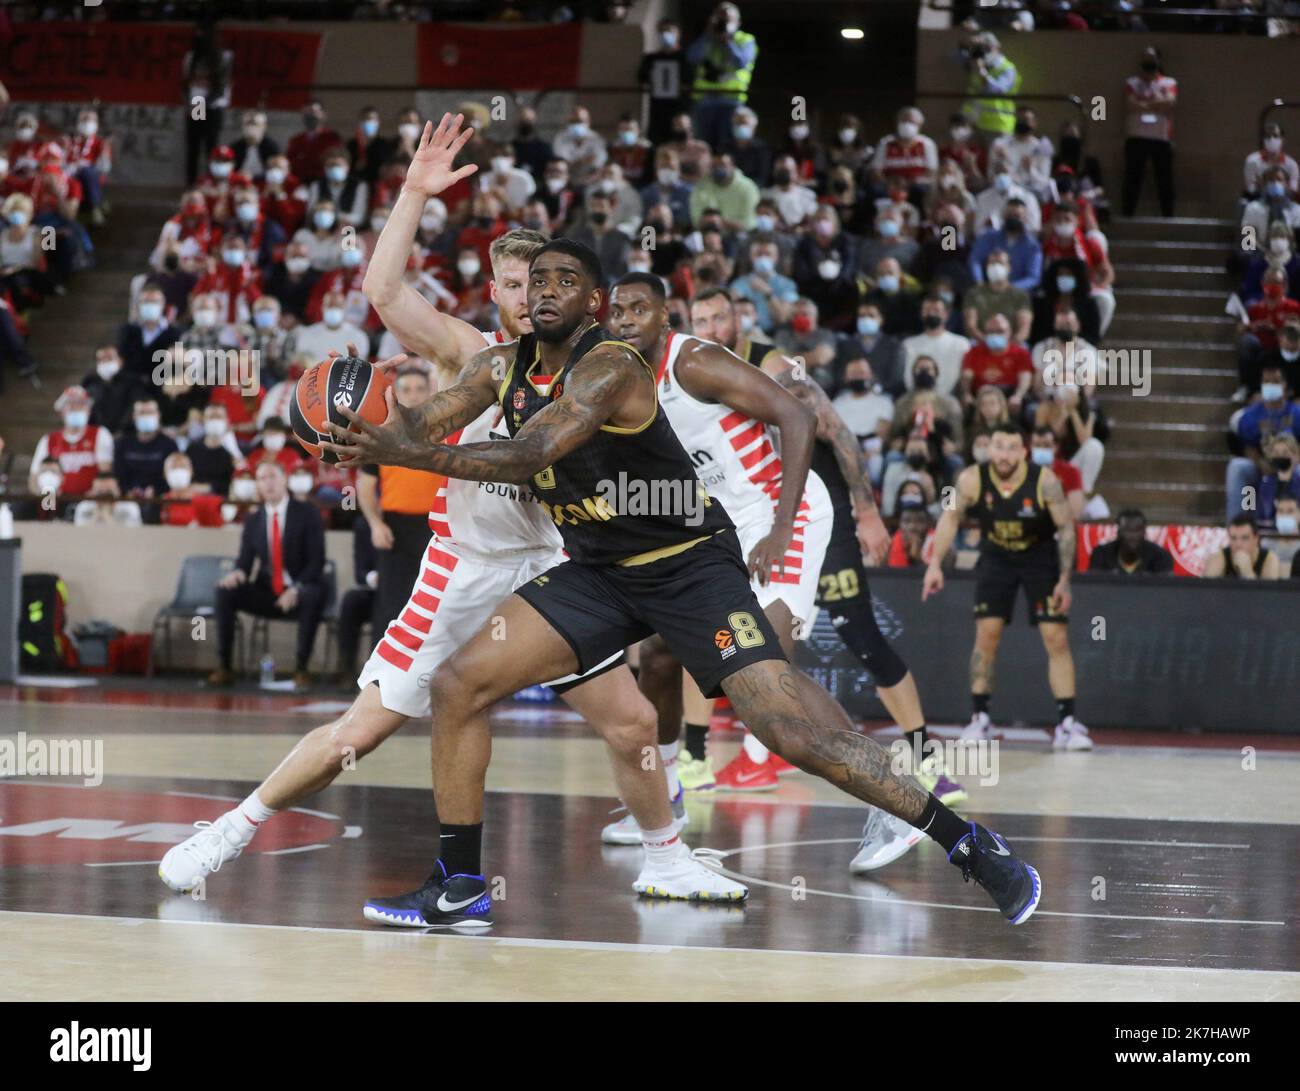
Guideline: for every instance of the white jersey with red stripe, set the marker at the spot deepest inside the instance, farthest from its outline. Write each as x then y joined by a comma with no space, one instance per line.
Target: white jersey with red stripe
736,461
488,517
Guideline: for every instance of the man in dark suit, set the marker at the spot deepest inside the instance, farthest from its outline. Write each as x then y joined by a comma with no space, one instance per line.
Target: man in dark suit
287,540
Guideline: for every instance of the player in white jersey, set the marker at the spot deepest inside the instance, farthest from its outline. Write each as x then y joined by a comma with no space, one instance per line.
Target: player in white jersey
721,408
486,540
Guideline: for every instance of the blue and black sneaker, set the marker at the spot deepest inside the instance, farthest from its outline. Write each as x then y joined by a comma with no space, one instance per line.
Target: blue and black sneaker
445,901
986,857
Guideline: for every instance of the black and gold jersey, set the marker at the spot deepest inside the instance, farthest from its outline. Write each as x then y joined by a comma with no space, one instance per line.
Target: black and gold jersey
627,495
1013,516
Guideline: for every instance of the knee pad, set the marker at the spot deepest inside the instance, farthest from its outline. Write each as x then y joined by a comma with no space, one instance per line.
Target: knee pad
857,627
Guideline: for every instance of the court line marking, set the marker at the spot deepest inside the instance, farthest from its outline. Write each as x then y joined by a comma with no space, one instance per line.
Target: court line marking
705,855
1054,840
411,934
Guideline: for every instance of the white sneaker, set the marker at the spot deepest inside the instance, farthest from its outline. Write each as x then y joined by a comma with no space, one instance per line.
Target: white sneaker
1071,735
884,839
685,878
198,856
626,831
979,729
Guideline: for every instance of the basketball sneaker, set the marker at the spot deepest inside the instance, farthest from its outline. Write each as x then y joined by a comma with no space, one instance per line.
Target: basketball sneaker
444,901
696,774
199,855
935,781
1071,735
780,766
986,857
884,839
743,774
626,831
980,728
684,878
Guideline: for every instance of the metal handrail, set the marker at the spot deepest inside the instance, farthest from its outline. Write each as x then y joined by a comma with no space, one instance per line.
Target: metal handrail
1096,7
1276,104
1072,100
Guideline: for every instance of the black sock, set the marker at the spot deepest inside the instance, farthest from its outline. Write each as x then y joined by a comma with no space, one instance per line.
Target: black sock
981,702
461,849
697,740
1064,707
917,739
943,825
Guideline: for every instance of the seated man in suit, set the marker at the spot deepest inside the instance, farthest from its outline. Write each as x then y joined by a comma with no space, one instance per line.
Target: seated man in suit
287,540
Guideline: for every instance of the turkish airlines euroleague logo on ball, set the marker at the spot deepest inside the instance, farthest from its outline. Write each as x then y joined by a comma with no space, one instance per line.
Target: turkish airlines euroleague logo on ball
49,824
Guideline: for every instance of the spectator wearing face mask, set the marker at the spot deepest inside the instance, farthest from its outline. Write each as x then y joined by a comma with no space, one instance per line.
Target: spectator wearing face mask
768,222
510,185
772,294
868,341
631,152
927,408
1081,431
183,503
333,333
1150,100
1044,450
922,463
991,204
898,298
532,152
863,404
1257,334
292,282
825,267
665,73
142,451
1286,524
1067,240
283,197
254,149
939,344
342,188
347,281
1281,479
599,233
890,240
1131,552
322,238
849,148
949,192
626,207
851,206
262,238
89,160
906,159
995,360
1277,251
794,201
23,152
186,238
1284,359
232,286
180,402
1065,287
1067,351
581,147
268,338
275,443
308,148
1275,202
79,447
367,148
46,487
214,463
750,153
803,338
1244,557
994,294
208,330
1023,251
104,506
966,152
668,188
1027,153
1268,156
730,192
112,390
693,153
216,185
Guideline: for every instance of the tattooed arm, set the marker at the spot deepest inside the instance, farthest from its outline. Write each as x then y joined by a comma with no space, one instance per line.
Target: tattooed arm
831,429
1059,506
968,484
593,395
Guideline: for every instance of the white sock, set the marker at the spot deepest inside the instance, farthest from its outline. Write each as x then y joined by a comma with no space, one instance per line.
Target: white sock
668,752
249,816
661,846
756,750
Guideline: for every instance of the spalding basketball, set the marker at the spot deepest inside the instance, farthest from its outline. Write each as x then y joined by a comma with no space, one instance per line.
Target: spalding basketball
344,381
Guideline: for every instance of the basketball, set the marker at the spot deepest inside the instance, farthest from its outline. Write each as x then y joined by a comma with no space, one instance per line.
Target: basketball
323,389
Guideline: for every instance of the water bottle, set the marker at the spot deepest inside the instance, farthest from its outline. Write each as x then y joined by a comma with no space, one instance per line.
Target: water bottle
6,521
268,669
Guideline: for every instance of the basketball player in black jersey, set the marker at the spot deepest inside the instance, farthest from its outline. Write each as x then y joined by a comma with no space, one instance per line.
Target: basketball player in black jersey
1026,540
675,570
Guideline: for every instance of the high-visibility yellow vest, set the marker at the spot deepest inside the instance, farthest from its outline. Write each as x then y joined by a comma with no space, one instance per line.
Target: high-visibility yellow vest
734,84
992,115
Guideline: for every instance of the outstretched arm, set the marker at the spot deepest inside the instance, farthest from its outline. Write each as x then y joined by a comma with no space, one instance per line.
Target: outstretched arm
593,394
949,524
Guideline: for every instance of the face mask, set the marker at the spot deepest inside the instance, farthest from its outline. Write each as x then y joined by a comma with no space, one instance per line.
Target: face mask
1275,190
244,488
765,223
370,127
151,312
431,222
598,218
931,321
640,265
916,460
333,317
1287,524
1065,285
300,484
233,257
179,478
324,219
377,223
998,273
764,265
1272,392
4,167
848,136
960,134
799,132
409,132
669,39
666,176
948,298
273,441
336,173
25,133
88,128
297,266
18,219
1290,355
76,418
310,121
745,322
48,482
1150,67
205,319
147,424
924,380
868,326
469,267
828,269
1013,225
577,129
997,342
1002,182
1063,230
351,258
889,229
743,132
857,386
275,176
888,283
535,223
106,369
247,212
1273,144
501,164
555,184
1063,333
627,137
215,427
980,455
1279,246
721,176
221,170
907,130
264,319
801,323
1042,456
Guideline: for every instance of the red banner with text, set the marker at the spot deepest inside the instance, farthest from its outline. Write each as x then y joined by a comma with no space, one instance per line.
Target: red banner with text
533,58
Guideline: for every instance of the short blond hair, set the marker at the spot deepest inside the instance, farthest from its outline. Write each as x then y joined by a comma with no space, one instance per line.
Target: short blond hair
17,201
522,243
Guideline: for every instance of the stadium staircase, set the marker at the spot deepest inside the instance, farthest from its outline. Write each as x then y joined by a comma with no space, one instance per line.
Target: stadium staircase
65,332
1166,452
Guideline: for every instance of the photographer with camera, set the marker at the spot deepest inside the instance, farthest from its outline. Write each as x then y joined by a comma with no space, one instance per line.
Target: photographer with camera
992,76
723,58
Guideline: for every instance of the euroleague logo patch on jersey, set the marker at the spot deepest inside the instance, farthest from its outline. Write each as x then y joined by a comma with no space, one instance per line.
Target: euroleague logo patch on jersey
519,400
725,642
557,390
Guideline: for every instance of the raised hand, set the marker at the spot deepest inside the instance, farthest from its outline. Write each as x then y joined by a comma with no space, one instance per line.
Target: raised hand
431,169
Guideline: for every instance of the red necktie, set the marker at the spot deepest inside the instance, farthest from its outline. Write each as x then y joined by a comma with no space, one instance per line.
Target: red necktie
277,555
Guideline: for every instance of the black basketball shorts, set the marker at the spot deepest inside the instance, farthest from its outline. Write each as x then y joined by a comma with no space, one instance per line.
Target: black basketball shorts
999,575
700,601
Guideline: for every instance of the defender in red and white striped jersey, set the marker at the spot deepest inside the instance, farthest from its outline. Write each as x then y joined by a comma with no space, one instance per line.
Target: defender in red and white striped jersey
486,541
